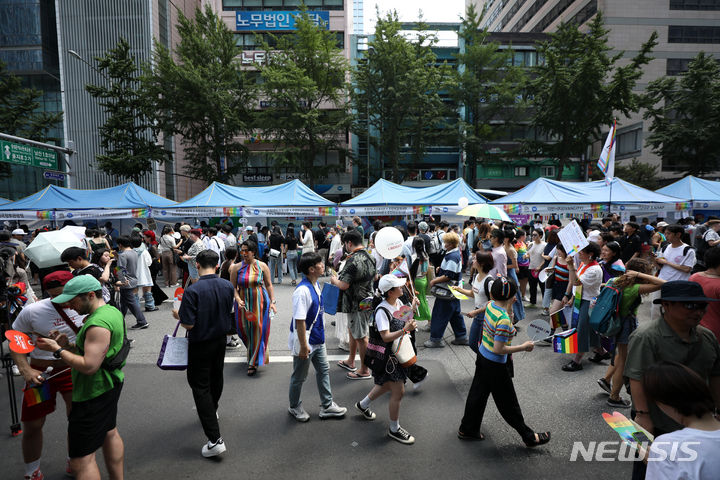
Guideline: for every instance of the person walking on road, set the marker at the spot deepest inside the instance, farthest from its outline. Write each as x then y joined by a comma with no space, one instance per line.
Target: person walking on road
206,313
127,282
308,317
92,423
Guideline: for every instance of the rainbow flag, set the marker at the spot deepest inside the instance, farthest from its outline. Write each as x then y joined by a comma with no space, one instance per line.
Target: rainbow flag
45,214
683,206
557,319
606,162
511,209
232,211
565,342
576,305
327,211
421,210
140,212
35,395
597,207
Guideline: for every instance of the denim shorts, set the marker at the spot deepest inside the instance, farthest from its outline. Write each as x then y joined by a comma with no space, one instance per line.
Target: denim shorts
630,324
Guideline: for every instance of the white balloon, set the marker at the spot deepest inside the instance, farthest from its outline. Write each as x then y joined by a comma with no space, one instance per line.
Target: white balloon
389,242
463,202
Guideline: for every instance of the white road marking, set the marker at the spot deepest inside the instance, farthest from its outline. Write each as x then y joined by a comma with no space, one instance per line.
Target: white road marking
283,359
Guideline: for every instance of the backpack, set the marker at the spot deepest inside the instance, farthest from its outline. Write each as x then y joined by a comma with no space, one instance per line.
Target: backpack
435,244
437,251
701,246
605,317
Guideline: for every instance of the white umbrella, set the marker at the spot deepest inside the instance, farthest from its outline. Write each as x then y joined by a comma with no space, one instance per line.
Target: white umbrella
484,210
78,232
47,247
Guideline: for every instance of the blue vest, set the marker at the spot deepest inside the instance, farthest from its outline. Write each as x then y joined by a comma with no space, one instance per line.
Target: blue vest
317,334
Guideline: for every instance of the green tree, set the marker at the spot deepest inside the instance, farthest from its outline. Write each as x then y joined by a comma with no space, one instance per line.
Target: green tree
200,93
126,136
685,116
20,113
304,83
579,87
486,87
396,94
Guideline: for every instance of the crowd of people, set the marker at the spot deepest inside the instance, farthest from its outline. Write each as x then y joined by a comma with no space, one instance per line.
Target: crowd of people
229,277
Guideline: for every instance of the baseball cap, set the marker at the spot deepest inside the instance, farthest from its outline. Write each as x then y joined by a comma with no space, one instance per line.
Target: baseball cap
57,279
662,224
682,291
390,281
76,286
18,231
249,228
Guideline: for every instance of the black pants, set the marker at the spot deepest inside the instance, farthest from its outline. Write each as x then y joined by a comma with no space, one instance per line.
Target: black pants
493,378
206,360
533,284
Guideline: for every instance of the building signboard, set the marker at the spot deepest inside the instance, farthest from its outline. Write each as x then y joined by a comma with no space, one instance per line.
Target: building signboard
257,21
21,154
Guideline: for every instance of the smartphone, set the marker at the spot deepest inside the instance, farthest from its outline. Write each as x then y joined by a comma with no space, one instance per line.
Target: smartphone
641,438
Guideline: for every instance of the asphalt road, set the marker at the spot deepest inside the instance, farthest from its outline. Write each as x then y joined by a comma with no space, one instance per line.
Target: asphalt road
163,436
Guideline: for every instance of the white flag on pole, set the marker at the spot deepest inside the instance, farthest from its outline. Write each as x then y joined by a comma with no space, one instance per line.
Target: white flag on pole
606,162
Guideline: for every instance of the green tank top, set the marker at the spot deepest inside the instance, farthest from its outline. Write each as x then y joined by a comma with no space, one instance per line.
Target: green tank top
87,387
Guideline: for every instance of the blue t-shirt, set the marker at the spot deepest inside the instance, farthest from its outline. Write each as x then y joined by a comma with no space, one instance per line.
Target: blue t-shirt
207,305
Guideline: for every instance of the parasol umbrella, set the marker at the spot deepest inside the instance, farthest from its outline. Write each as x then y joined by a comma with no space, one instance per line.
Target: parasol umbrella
484,210
47,247
77,232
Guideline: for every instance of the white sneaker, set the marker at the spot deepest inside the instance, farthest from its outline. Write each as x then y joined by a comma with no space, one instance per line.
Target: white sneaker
213,449
333,411
299,413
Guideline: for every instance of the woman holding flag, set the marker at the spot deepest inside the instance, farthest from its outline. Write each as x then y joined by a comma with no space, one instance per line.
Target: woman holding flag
587,281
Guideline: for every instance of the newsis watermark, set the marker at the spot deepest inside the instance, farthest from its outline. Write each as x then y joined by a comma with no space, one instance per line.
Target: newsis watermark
620,451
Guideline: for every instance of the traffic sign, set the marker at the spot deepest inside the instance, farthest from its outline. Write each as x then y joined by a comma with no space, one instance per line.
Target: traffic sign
50,175
21,154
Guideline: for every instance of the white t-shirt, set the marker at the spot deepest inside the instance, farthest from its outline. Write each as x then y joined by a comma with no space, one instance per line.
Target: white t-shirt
382,322
41,317
591,280
301,301
536,254
478,288
705,467
308,242
675,255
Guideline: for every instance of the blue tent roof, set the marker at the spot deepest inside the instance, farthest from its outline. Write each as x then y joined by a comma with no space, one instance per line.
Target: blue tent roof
127,195
546,191
384,192
693,189
290,194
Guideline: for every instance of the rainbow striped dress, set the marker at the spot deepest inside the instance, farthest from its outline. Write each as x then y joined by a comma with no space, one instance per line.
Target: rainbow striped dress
254,334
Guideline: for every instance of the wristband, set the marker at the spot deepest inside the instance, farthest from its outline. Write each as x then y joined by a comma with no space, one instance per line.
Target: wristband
642,412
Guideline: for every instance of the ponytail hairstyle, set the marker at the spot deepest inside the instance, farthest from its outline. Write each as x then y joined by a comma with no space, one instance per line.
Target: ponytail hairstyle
503,289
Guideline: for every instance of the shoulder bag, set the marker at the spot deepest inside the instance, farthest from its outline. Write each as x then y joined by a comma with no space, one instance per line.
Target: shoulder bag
174,352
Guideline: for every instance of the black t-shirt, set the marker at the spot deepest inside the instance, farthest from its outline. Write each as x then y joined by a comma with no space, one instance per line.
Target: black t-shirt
276,241
630,246
291,242
91,269
207,305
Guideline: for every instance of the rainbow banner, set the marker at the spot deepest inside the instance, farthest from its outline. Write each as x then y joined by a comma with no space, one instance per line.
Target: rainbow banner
421,210
233,211
39,394
683,206
45,214
565,342
557,319
598,207
512,209
327,211
140,212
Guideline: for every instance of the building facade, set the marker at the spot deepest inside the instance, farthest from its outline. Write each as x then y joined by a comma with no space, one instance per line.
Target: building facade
684,27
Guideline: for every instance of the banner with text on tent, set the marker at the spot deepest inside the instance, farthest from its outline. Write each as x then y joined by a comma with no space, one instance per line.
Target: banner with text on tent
75,214
391,210
584,208
245,212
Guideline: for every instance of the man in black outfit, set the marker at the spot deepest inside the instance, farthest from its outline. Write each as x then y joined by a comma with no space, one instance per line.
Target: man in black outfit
206,313
631,244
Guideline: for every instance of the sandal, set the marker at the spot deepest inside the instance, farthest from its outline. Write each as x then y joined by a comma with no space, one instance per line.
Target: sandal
345,366
251,371
542,439
468,436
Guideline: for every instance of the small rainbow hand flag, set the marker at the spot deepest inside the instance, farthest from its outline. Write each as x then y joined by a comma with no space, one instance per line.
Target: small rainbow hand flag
365,304
565,342
35,395
557,319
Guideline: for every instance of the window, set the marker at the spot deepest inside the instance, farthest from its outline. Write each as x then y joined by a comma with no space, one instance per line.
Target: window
552,15
676,66
282,4
694,4
693,34
534,8
520,171
511,13
548,171
629,142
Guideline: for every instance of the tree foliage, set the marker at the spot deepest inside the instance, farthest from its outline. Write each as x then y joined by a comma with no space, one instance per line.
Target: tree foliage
579,87
486,86
201,93
685,115
396,97
126,136
304,85
20,113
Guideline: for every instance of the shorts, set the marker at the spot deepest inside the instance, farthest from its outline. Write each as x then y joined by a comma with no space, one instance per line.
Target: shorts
523,271
359,323
629,325
60,384
558,290
90,421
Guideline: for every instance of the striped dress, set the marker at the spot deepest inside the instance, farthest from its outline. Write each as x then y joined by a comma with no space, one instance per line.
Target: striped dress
254,334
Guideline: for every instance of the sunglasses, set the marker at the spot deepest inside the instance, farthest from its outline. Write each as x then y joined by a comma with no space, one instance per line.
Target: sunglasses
694,305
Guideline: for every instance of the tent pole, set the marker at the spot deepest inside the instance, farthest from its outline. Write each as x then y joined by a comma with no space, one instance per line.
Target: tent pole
610,199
